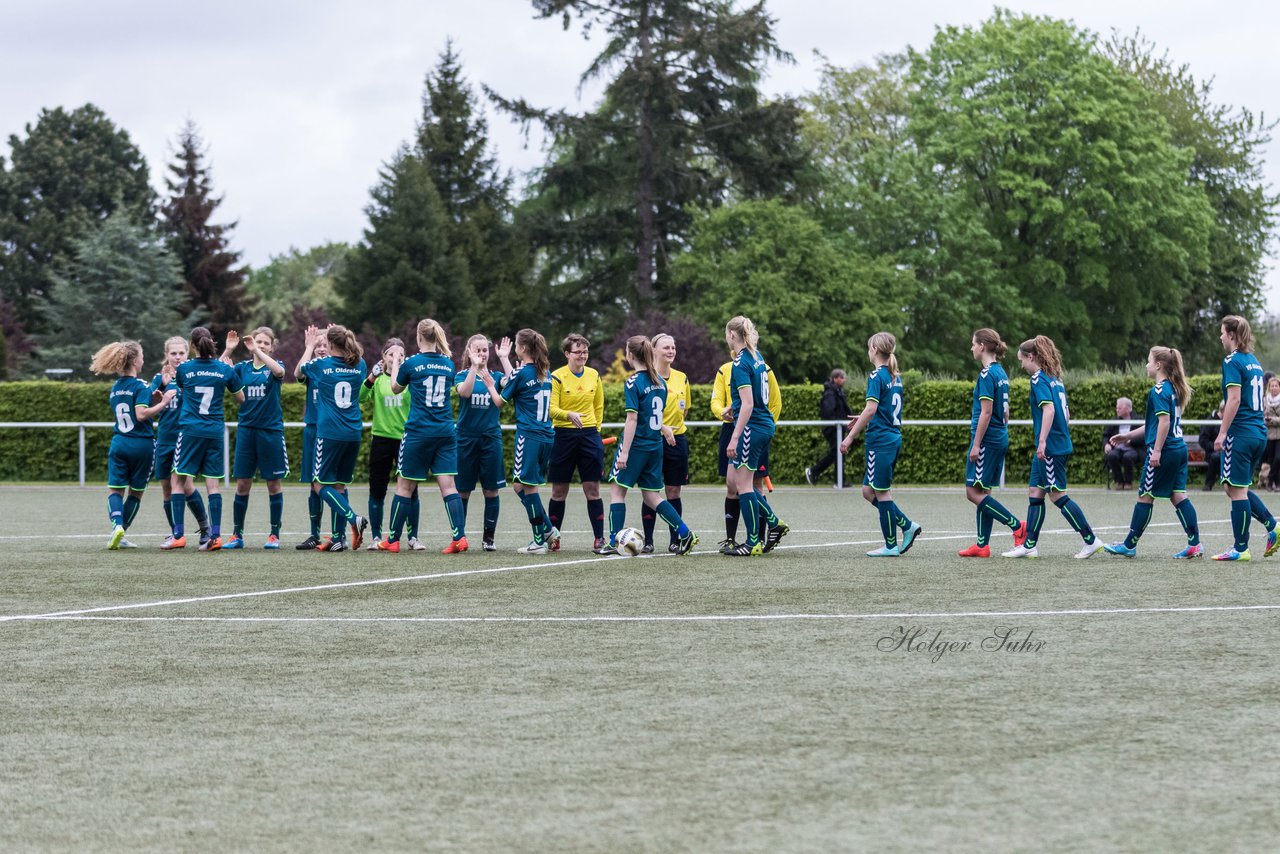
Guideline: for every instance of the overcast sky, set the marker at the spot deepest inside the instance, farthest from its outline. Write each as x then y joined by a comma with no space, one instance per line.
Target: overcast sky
300,102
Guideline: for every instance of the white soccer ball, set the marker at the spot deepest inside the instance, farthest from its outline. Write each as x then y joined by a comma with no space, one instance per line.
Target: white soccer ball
630,542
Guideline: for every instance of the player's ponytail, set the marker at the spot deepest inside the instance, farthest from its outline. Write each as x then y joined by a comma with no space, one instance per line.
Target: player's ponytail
535,350
990,340
1045,352
202,343
746,330
343,343
884,344
432,334
115,358
640,351
1169,361
1239,328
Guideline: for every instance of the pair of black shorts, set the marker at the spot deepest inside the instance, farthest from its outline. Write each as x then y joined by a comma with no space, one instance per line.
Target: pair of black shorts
576,449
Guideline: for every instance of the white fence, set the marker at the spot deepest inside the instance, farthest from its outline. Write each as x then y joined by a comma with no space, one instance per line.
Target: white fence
82,426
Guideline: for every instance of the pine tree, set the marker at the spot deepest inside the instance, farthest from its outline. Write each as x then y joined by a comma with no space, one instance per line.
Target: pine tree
212,285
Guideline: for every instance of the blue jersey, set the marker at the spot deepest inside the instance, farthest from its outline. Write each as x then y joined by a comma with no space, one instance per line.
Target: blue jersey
310,400
203,382
648,400
478,414
127,394
167,420
261,407
337,405
751,372
532,400
1049,391
1163,400
992,385
886,390
428,377
1243,371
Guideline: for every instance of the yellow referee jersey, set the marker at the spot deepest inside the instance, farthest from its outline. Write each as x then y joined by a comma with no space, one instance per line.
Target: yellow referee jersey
721,398
678,400
583,395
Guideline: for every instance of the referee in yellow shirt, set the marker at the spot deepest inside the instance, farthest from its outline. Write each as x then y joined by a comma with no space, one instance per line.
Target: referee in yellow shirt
675,451
722,409
577,411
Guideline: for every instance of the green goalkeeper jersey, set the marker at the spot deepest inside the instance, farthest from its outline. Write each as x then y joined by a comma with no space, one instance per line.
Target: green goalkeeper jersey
390,410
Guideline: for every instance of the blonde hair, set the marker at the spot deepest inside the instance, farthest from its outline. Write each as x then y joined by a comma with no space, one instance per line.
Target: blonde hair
1045,352
535,347
991,341
1238,327
433,333
883,344
640,349
264,330
176,339
1169,361
115,358
343,340
479,336
746,330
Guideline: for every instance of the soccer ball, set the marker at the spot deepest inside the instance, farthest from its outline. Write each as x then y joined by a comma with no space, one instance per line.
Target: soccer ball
630,542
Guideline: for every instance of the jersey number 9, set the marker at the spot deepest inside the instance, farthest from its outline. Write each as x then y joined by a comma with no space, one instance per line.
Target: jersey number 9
342,395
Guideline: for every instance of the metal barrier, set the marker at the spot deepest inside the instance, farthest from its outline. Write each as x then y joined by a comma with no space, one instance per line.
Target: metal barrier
612,425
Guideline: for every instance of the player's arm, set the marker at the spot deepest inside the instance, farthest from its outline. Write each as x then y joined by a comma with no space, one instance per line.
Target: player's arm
1162,433
980,432
860,423
233,341
631,401
467,385
748,404
720,395
1229,410
1046,424
495,396
399,376
599,401
775,397
146,413
311,338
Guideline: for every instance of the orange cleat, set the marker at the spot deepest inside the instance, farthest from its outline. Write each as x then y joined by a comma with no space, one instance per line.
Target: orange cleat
212,544
388,546
172,542
1020,535
324,546
458,546
976,550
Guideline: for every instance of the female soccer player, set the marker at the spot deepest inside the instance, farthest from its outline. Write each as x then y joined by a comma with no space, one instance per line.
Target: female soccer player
1243,437
430,444
316,348
260,447
480,435
749,442
1164,472
577,410
1049,417
529,388
722,409
988,442
335,380
675,448
390,411
202,380
639,460
882,419
132,453
175,353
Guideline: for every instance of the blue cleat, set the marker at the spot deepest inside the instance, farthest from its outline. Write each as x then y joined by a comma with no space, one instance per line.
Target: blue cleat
1121,549
909,537
1190,552
1273,542
234,542
887,551
1232,554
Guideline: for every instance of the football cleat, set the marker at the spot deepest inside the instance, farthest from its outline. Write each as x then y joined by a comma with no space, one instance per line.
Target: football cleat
534,548
1190,552
117,534
975,550
686,544
1120,549
726,545
775,535
387,546
554,545
1022,551
489,546
358,526
308,544
234,542
1088,550
456,547
885,551
553,539
337,546
125,544
212,544
909,537
744,550
325,544
1232,554
374,544
1020,533
808,475
273,542
172,542
674,546
417,545
599,545
1273,542
647,549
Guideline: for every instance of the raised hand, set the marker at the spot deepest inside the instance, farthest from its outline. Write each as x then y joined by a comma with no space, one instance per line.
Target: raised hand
233,340
504,348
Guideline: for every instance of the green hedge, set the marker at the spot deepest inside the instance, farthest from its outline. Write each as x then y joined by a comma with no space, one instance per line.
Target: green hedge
929,454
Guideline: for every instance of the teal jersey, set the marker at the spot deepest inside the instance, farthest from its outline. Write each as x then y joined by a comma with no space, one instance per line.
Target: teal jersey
477,414
1049,391
428,377
1243,371
886,390
648,400
203,383
992,385
336,385
167,421
1163,400
751,372
261,407
532,400
310,400
127,394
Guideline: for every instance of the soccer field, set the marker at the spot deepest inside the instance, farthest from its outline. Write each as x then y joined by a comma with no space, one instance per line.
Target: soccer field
294,700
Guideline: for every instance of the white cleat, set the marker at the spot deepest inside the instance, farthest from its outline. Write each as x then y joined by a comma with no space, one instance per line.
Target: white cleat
117,535
125,544
534,548
1088,550
417,545
373,546
1022,551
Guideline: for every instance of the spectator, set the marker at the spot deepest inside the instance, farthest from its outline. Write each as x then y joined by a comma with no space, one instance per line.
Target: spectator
832,407
1212,459
1271,413
1123,458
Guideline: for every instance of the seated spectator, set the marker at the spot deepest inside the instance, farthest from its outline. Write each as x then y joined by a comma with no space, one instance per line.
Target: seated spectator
1123,458
1212,459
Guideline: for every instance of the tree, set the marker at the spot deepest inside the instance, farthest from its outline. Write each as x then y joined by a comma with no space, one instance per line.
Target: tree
813,300
296,279
699,350
18,345
681,124
69,174
119,283
212,285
